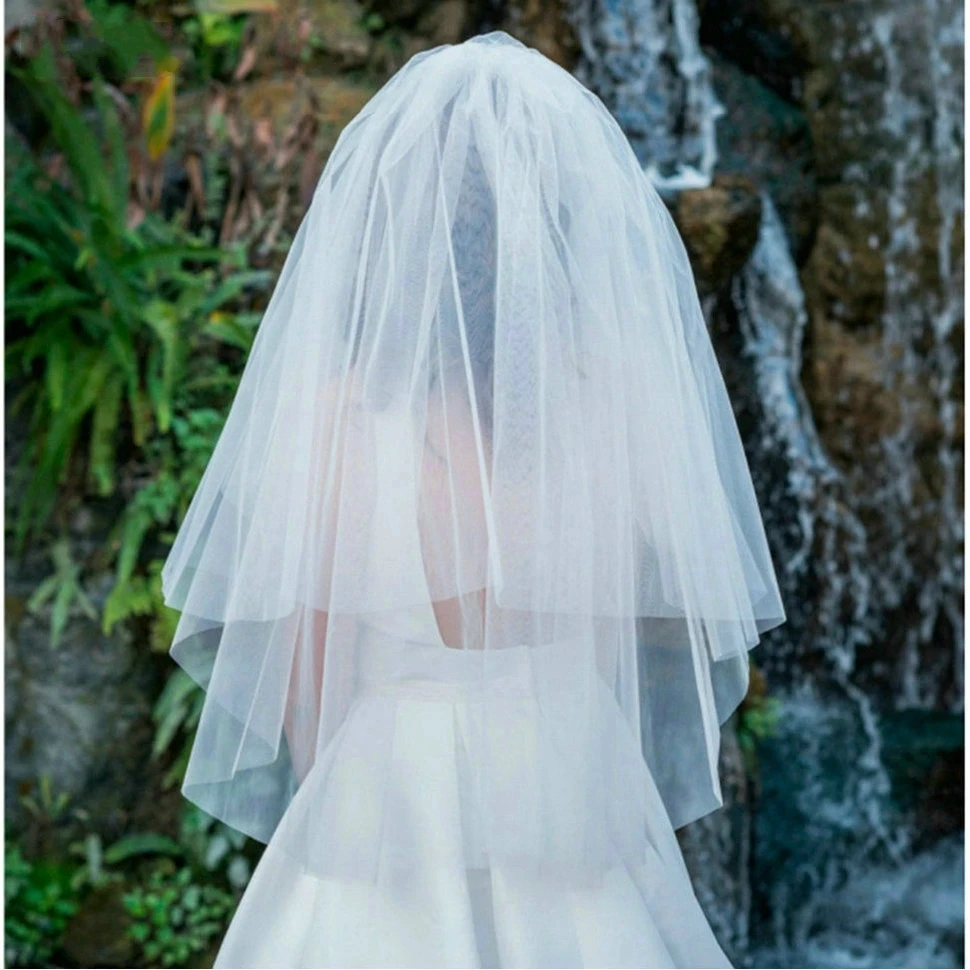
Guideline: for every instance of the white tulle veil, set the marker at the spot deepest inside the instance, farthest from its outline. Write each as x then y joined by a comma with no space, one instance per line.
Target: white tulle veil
484,258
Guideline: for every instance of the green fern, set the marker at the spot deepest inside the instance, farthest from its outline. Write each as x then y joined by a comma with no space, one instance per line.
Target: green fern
100,316
62,589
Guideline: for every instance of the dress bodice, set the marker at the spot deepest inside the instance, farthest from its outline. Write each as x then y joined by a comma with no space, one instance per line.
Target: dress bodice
396,560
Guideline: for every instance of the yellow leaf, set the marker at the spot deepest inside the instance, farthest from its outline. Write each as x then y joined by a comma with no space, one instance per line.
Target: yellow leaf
230,7
158,112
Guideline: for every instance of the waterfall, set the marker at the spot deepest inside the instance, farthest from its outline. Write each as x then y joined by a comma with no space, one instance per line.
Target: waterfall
840,870
840,875
643,58
920,360
842,817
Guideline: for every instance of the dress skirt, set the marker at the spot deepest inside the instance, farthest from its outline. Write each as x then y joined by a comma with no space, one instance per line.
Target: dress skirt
438,911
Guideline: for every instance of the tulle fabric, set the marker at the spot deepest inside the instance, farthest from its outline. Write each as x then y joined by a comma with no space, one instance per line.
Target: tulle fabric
482,417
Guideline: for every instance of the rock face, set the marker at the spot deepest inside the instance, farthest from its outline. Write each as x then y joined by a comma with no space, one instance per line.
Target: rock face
854,427
878,86
79,713
720,227
840,336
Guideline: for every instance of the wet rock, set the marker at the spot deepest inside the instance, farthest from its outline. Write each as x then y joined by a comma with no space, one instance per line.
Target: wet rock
767,139
924,756
644,61
280,100
765,38
338,28
400,11
284,131
719,226
447,22
318,35
542,24
876,95
78,713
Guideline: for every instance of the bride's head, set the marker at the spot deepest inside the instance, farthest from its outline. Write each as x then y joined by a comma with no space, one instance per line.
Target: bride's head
467,172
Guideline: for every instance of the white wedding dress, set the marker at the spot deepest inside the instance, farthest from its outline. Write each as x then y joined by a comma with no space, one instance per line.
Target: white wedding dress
435,912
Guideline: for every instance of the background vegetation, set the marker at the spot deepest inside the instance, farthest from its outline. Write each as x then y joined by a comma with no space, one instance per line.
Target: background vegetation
131,301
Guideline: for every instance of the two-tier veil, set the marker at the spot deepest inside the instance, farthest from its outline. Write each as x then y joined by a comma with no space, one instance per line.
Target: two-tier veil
484,256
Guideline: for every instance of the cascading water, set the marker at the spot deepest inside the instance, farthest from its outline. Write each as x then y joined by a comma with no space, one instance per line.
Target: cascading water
918,328
847,874
842,870
815,821
643,58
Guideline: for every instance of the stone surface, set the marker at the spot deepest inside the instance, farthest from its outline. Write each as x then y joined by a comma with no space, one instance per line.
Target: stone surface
96,936
79,713
318,35
851,116
766,39
767,139
447,22
541,24
719,226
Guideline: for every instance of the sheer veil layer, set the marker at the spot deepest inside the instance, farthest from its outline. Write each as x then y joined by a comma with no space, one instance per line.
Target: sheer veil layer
482,422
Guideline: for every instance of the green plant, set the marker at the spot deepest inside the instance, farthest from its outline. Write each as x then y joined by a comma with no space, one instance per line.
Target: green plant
175,917
39,901
215,846
176,462
373,22
176,713
47,805
62,589
757,720
101,312
123,37
216,38
99,864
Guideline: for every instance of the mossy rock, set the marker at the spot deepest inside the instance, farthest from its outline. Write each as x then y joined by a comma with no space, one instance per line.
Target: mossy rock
97,935
720,226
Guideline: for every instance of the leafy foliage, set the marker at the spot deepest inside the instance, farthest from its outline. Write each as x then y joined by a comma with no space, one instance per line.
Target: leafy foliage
46,805
125,331
217,848
177,709
99,314
175,917
100,865
39,900
757,719
216,39
62,589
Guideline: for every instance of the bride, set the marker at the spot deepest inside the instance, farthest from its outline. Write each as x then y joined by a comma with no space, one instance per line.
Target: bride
472,575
